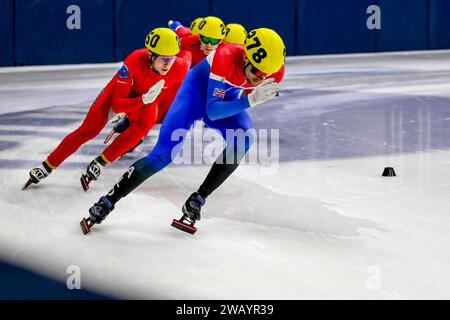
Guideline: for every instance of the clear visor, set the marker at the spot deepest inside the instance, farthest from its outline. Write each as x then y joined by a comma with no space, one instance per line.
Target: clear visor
165,59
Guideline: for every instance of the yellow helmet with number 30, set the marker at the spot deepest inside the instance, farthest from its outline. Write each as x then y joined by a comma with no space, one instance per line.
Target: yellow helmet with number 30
265,49
212,27
163,41
235,33
194,25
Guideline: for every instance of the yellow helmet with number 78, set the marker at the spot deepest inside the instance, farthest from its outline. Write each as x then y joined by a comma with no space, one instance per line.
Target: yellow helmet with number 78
265,49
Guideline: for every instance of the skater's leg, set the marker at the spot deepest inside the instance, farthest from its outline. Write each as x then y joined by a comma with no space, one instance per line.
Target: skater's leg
238,135
141,121
239,139
178,120
185,109
94,122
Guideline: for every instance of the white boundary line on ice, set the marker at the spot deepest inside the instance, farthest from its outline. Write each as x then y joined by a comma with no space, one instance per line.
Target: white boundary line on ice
367,54
291,58
60,67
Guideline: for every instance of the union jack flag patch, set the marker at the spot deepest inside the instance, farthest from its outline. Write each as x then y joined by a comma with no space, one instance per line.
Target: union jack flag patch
219,92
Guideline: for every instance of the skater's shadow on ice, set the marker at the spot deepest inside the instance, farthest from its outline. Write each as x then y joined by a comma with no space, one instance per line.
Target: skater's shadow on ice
245,201
263,206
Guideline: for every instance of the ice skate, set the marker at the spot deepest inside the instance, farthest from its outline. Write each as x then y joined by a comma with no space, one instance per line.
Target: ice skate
93,171
37,174
191,213
97,213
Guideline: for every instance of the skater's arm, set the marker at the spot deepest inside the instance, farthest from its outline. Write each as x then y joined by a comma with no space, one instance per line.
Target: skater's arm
278,77
217,107
183,31
178,27
121,101
165,101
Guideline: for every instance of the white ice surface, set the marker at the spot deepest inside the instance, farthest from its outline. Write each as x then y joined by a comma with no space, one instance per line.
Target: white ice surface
321,227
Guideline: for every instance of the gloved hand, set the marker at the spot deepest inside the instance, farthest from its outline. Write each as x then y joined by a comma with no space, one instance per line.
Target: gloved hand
263,92
117,117
153,92
174,24
122,125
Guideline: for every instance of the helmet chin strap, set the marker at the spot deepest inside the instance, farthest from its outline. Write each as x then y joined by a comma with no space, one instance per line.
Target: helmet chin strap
245,67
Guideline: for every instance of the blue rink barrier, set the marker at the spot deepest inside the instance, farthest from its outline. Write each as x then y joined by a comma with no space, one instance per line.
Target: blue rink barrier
6,33
63,31
134,19
439,24
280,16
86,31
404,25
337,26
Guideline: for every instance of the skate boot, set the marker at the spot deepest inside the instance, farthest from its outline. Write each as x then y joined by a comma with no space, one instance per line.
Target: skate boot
97,213
38,174
93,171
191,213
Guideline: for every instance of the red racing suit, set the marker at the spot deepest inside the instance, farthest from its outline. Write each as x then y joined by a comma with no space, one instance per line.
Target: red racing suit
191,43
123,94
183,31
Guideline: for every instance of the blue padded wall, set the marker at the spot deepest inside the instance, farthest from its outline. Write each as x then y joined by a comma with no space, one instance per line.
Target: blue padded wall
280,17
439,24
42,35
404,25
337,26
134,19
6,33
36,32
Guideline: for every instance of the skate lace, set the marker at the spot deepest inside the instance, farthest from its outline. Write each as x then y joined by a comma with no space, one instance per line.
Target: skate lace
38,173
99,211
195,205
94,169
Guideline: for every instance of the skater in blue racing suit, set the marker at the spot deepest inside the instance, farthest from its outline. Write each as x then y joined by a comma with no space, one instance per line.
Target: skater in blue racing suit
214,91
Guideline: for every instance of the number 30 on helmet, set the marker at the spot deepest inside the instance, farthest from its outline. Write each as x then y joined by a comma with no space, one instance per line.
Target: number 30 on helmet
194,25
163,41
212,27
265,49
235,33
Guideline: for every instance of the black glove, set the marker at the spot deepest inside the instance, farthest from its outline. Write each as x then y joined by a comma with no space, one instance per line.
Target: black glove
122,125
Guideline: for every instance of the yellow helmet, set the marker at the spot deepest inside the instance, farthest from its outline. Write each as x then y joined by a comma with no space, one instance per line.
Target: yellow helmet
194,25
211,27
265,49
235,33
163,41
